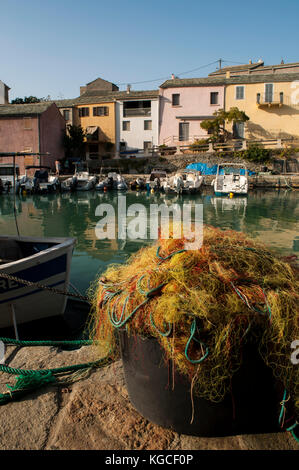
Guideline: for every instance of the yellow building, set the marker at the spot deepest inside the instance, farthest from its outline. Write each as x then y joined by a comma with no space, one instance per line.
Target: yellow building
96,116
271,101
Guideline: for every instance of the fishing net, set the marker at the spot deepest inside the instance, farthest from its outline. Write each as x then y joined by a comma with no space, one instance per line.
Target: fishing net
203,306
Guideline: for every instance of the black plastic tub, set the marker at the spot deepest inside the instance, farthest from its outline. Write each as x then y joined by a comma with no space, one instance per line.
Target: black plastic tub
250,408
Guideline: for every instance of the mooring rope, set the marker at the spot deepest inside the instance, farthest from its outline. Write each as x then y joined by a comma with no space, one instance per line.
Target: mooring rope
43,287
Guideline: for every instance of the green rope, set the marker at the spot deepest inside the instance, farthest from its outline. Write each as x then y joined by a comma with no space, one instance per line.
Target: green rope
169,256
16,342
31,379
192,333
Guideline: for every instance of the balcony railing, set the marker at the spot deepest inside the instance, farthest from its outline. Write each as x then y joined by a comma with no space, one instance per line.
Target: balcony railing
131,112
270,99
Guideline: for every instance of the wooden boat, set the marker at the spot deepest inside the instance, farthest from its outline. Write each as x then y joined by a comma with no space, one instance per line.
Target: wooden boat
46,261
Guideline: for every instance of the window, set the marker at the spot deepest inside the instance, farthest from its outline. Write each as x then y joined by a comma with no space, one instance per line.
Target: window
93,148
83,112
239,92
126,125
27,123
214,97
183,131
66,114
147,125
269,88
175,99
101,111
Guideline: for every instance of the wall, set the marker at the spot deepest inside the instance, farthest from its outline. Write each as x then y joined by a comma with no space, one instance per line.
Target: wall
74,116
136,136
194,101
106,124
15,138
268,122
52,126
3,93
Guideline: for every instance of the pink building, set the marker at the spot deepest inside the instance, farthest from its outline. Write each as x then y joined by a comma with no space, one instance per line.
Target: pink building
35,128
184,104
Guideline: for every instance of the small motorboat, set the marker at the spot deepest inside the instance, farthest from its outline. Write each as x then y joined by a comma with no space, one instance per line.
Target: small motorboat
112,181
40,182
138,184
156,180
8,177
85,181
231,178
186,181
45,261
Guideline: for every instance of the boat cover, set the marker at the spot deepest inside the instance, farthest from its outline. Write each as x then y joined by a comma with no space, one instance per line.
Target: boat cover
212,170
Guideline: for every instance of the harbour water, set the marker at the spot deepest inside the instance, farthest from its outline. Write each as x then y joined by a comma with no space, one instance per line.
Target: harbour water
270,216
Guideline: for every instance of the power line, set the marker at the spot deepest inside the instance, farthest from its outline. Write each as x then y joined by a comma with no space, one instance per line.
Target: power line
165,78
182,73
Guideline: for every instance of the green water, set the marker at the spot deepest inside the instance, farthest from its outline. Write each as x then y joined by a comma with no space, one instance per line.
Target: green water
270,216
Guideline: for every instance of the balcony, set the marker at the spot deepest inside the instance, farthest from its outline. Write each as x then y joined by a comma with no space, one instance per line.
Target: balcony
270,99
135,112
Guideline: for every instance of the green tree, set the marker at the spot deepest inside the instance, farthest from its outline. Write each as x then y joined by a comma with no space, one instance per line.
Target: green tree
73,141
216,126
26,100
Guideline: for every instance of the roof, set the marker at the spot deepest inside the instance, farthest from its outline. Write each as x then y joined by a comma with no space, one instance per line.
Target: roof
5,85
97,96
100,80
237,68
240,79
24,109
65,103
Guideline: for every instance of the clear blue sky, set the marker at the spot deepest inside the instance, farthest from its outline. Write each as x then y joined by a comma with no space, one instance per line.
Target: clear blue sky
52,47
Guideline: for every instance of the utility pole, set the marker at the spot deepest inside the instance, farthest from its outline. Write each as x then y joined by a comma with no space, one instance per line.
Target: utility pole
220,62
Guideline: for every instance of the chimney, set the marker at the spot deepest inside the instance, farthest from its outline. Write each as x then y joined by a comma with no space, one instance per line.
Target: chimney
128,88
250,62
282,62
227,75
172,76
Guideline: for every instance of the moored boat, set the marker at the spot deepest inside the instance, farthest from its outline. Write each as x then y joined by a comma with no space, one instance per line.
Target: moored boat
231,178
45,261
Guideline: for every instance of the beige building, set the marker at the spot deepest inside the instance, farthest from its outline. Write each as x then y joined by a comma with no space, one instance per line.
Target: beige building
271,101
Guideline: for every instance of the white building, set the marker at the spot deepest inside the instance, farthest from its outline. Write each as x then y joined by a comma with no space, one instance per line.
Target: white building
137,121
4,89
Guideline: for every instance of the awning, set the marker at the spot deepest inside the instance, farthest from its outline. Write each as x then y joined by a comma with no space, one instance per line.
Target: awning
91,130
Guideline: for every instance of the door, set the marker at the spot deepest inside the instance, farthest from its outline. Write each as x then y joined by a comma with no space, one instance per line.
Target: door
183,131
268,92
238,130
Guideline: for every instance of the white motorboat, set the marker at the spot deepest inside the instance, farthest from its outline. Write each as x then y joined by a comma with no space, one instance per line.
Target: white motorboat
85,181
46,261
186,181
40,182
156,179
69,184
8,177
112,181
231,178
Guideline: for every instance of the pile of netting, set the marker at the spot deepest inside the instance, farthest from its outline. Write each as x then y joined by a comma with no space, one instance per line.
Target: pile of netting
203,305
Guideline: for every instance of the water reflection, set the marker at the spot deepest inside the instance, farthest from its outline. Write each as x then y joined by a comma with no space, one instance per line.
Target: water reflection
270,216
